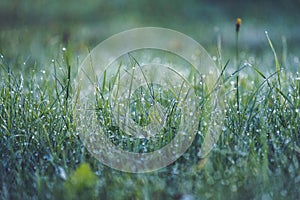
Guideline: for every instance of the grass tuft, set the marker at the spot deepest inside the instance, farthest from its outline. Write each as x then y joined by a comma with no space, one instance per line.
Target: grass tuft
257,155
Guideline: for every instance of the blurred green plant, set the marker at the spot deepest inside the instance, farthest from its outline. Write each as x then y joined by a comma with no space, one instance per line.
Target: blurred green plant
81,184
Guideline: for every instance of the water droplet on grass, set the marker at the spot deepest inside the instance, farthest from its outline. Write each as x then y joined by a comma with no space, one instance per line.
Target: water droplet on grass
47,157
61,172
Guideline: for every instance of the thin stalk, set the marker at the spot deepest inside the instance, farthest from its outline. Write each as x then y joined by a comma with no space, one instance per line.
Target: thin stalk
238,24
238,69
275,57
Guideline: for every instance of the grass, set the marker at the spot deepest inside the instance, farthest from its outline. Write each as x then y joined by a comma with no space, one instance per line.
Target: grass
256,157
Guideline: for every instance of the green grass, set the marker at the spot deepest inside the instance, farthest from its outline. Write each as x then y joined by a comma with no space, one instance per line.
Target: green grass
257,155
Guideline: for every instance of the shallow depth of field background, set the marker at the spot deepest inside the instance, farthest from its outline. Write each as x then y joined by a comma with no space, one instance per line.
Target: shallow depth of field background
32,29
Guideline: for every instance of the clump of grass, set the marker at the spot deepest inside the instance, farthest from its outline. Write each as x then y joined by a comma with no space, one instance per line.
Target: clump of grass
37,135
140,103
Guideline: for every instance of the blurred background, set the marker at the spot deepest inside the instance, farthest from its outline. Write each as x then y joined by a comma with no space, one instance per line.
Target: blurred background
37,29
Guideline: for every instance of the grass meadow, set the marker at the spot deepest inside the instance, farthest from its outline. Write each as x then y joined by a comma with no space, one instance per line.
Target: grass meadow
257,155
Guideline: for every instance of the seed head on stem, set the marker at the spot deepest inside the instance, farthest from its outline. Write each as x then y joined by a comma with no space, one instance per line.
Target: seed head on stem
238,24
